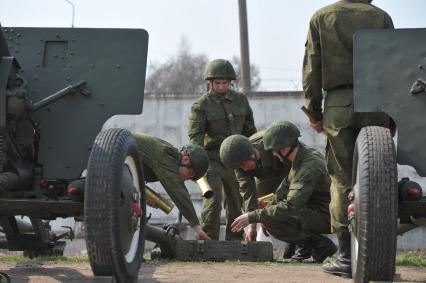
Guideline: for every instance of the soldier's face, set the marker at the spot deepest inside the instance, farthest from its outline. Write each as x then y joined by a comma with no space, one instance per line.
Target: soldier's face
184,172
280,153
248,165
220,86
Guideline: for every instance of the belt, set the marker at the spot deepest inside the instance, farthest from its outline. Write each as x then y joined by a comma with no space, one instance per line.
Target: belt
346,86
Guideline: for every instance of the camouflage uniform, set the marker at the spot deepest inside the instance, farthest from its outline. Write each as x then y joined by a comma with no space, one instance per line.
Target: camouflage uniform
161,163
214,117
301,205
265,178
328,66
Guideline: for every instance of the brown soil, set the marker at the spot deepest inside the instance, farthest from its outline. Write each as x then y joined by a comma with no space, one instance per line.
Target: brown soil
196,272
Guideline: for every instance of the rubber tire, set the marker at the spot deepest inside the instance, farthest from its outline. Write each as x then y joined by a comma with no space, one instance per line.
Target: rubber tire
102,204
375,188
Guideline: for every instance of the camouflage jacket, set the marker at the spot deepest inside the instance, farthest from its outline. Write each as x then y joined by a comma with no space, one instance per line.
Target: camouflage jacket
266,167
214,117
329,46
308,185
161,163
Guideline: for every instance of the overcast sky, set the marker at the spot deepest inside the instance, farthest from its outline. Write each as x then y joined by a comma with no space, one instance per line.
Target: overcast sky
277,28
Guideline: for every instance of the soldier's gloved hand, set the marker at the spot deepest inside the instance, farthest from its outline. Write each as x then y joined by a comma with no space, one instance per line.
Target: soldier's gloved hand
240,223
200,234
251,232
318,127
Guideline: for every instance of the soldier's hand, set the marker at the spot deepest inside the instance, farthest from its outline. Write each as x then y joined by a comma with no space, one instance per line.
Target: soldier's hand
251,233
318,127
262,203
240,223
200,234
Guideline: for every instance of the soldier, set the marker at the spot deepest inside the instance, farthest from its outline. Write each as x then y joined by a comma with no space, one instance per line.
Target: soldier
259,173
164,163
217,114
299,212
327,68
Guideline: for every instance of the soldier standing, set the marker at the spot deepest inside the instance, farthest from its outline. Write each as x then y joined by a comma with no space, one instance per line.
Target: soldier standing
164,163
327,68
299,213
217,114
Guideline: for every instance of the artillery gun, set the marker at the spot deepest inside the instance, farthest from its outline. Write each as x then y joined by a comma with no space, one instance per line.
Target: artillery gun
58,86
389,76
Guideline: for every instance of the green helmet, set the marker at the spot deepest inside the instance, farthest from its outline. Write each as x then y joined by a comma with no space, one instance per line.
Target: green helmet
280,134
219,69
235,150
199,159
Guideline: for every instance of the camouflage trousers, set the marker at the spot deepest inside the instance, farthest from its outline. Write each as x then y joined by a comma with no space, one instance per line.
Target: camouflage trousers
296,229
225,187
342,126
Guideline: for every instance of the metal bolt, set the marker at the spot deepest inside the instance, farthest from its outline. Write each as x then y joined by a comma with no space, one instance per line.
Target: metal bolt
57,35
38,65
420,67
16,51
92,66
89,148
68,167
49,146
101,105
18,35
41,39
72,39
68,79
35,78
118,66
71,53
39,52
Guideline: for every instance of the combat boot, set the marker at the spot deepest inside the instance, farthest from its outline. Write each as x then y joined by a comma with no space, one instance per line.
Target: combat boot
322,247
342,264
289,250
302,252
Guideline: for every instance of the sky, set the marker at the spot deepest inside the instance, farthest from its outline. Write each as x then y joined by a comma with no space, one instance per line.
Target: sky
277,28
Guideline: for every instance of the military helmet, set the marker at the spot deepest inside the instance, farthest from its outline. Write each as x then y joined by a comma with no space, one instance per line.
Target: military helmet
198,158
280,134
219,69
235,150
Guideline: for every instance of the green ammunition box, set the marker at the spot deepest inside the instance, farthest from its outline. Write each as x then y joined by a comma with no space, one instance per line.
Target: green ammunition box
193,250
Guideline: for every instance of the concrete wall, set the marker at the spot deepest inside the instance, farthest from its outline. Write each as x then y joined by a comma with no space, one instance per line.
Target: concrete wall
167,117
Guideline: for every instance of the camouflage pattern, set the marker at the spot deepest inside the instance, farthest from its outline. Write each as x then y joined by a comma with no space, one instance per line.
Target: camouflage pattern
235,150
301,205
198,158
328,66
219,69
214,117
161,163
265,178
281,134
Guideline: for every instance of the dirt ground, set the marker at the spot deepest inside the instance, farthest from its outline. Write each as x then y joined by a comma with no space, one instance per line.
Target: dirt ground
195,272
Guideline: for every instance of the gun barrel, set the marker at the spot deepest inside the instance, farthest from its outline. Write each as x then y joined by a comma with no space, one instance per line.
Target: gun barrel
160,202
204,186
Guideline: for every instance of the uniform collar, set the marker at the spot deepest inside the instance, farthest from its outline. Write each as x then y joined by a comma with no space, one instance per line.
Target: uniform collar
229,95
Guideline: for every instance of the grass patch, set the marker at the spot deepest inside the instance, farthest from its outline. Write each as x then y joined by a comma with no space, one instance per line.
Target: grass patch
412,258
15,259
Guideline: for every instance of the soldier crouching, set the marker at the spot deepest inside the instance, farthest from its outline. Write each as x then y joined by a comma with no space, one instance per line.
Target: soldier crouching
299,212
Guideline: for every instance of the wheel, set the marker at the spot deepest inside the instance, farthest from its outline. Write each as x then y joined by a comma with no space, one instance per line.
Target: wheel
114,206
373,212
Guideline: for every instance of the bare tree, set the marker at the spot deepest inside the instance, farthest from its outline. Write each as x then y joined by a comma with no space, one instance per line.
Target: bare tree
183,73
254,74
